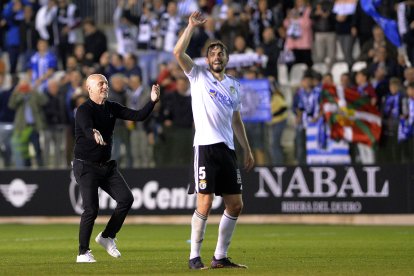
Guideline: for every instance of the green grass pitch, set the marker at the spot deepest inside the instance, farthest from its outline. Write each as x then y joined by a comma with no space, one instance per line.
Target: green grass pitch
163,249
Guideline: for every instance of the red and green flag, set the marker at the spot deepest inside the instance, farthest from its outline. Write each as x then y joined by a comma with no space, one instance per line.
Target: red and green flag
350,116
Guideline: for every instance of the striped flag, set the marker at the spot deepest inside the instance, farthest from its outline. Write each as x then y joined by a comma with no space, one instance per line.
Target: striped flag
350,117
321,149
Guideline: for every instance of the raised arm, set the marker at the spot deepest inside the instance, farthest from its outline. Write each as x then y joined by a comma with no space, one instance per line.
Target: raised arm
186,63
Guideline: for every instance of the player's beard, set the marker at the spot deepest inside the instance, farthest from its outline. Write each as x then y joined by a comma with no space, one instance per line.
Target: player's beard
216,68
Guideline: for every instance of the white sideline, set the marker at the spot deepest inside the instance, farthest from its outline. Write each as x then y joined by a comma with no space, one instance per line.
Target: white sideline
402,219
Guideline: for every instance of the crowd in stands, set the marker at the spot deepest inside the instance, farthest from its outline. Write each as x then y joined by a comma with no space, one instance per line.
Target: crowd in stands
48,50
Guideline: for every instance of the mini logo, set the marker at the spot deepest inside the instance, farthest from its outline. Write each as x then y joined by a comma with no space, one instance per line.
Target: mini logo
18,192
232,89
202,184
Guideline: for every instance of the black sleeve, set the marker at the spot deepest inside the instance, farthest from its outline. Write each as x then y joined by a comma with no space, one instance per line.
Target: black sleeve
84,122
125,113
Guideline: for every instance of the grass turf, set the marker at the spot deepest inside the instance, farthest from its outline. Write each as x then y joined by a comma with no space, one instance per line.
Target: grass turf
164,249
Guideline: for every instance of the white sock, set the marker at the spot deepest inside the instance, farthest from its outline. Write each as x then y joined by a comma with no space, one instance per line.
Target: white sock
226,229
198,228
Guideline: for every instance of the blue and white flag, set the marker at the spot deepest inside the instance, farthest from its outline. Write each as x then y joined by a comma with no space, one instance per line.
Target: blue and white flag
320,149
389,26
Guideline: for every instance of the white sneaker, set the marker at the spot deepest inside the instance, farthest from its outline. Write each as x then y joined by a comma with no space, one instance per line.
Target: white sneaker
109,245
86,258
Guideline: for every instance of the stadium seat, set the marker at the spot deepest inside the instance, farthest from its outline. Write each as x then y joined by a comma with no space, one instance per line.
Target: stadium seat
320,67
359,65
338,69
296,73
282,74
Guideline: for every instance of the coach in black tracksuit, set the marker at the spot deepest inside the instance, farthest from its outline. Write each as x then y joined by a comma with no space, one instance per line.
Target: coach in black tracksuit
92,167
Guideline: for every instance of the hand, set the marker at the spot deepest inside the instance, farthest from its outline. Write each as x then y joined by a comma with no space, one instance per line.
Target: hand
196,19
98,137
155,93
248,160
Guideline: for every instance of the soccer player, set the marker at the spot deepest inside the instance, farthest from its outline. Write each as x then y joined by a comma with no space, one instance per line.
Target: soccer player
216,111
92,167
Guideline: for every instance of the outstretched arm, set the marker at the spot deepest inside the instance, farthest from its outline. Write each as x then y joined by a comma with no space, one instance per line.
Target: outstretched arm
185,62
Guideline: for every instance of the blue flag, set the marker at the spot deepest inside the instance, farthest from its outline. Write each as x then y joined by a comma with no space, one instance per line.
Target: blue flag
388,25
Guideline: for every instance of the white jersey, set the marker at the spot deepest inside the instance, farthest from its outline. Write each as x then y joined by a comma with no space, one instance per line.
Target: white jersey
213,103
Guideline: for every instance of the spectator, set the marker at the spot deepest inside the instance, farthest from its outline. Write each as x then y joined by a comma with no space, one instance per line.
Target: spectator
28,36
362,153
381,59
408,36
131,65
71,90
28,122
364,86
380,83
254,130
72,64
261,18
170,25
299,33
158,8
323,22
64,29
116,64
276,127
271,48
126,32
43,65
103,67
390,149
221,10
362,25
147,24
13,15
95,41
232,27
240,46
54,133
6,122
168,75
122,134
306,108
138,96
408,111
343,30
44,19
345,81
178,125
408,76
378,40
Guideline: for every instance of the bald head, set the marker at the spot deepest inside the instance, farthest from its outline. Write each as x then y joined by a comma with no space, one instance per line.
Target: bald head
97,86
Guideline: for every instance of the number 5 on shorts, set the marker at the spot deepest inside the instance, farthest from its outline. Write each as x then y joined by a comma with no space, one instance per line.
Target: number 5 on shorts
201,173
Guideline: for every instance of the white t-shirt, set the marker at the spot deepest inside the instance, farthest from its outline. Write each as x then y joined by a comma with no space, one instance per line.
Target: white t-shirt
213,104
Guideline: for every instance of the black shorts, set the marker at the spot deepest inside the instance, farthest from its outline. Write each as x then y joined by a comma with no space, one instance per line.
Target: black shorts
215,171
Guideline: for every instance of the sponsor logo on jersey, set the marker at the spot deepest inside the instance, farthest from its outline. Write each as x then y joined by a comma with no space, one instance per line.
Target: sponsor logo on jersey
216,95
